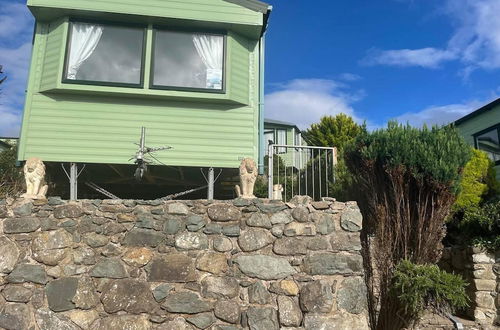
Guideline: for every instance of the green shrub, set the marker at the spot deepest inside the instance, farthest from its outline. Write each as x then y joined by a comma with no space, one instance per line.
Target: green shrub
11,177
408,179
420,287
478,182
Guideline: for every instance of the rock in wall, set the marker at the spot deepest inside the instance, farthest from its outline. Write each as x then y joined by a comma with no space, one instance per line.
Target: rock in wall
482,270
222,265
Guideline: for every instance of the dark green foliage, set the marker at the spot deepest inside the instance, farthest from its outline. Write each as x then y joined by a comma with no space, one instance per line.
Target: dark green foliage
338,131
478,226
435,153
408,179
11,177
420,287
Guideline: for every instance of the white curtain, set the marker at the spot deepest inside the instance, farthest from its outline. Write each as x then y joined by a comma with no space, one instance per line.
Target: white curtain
281,139
84,40
211,49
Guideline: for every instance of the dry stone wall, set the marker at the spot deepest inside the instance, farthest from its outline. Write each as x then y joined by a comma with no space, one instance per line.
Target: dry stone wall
482,270
222,265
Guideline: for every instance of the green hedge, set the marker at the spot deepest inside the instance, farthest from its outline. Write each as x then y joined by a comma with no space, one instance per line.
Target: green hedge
420,287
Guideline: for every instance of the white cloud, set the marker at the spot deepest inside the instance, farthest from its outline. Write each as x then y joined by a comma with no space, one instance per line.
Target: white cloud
16,28
475,41
478,32
440,115
350,77
305,101
426,57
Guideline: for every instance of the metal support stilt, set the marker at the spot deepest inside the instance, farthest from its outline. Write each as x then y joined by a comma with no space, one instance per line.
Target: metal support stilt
73,179
73,182
211,182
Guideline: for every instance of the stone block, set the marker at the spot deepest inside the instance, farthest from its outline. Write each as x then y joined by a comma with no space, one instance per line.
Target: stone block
290,314
60,294
68,211
20,225
264,267
299,229
259,220
316,297
351,219
28,273
333,264
223,212
109,268
9,253
186,303
176,268
215,263
258,294
352,295
262,318
222,244
132,322
137,257
143,237
217,287
128,295
254,239
283,217
227,310
191,241
202,321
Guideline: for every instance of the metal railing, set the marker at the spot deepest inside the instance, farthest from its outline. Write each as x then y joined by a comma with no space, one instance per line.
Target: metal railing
300,170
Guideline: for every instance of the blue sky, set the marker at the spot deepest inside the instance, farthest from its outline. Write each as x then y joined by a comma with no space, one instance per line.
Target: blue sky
421,61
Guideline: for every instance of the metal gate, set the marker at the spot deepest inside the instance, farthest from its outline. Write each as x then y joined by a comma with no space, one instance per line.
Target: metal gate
300,170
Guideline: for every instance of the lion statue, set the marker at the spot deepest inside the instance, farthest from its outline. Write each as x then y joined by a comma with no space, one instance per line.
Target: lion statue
34,174
248,176
278,192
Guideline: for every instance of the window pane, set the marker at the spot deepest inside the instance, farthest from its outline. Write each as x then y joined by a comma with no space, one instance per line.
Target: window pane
281,139
268,138
489,143
105,53
188,60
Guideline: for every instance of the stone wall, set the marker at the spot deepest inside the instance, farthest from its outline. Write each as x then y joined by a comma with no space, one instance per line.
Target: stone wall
134,265
482,270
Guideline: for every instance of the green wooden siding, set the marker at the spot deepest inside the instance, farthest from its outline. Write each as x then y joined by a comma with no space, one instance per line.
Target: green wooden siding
53,51
477,124
240,51
200,10
95,124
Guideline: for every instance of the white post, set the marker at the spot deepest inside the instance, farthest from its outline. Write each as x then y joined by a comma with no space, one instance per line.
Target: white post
211,183
73,182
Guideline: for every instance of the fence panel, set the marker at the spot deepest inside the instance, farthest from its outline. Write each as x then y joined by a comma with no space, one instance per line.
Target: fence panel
300,170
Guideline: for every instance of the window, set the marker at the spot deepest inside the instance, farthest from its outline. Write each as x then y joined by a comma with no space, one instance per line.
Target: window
489,142
275,136
104,54
185,60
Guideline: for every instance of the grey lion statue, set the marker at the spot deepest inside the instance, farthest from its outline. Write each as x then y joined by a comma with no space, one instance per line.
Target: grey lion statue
248,176
34,174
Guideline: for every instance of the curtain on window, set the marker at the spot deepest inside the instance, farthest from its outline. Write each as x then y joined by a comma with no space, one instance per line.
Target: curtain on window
84,40
211,48
281,139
